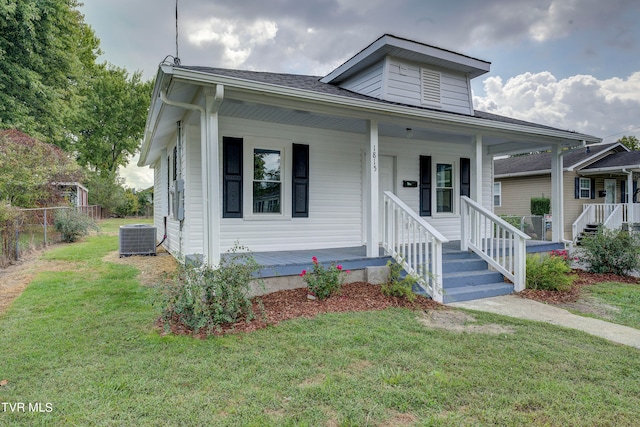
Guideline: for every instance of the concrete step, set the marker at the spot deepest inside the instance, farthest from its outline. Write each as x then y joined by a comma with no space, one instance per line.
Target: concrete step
469,293
463,264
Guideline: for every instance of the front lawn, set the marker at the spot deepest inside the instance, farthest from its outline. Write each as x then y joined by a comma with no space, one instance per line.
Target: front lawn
616,302
81,342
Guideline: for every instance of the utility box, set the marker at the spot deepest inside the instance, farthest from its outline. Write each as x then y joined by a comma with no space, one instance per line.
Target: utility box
137,239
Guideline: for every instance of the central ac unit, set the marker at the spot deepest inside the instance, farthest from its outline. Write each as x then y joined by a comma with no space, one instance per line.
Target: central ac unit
137,239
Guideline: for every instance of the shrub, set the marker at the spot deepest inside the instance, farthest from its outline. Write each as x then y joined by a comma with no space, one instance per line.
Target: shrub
540,205
10,220
609,251
323,282
202,297
396,285
548,272
72,224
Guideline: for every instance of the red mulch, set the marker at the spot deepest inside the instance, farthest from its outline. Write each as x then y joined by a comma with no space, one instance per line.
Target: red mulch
289,304
573,294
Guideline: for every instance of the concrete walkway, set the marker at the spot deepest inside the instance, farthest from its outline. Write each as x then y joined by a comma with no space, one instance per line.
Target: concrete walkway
522,308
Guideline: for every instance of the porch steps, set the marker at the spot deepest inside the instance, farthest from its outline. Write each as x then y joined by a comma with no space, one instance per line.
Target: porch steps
590,229
467,277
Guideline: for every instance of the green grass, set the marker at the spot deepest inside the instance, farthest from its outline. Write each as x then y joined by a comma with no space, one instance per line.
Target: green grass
623,298
83,340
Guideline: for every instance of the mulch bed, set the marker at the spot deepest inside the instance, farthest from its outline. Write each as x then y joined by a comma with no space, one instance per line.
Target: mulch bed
289,304
573,294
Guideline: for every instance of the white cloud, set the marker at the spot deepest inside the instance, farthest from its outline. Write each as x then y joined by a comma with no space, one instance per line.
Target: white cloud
581,103
135,176
238,38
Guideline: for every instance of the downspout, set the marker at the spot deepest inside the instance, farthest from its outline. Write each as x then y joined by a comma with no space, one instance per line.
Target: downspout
211,108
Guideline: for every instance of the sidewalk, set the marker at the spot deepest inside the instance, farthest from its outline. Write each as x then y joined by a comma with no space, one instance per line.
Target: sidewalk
522,308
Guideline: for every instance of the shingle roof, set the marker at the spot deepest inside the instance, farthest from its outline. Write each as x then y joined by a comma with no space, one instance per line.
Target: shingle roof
313,83
623,159
542,162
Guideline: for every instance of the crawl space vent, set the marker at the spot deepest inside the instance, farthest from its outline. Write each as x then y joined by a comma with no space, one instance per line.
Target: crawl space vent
137,239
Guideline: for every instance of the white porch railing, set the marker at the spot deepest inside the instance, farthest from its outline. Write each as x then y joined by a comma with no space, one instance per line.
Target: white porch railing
496,241
614,220
610,215
588,216
413,243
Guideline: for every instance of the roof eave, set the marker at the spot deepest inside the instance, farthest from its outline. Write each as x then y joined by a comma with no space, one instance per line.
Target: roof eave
378,107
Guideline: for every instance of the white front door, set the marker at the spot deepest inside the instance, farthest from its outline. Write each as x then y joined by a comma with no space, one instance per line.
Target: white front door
610,189
387,182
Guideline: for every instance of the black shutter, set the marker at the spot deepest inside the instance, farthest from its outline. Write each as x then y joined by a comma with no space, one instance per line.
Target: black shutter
593,188
232,177
635,188
576,187
465,177
300,181
623,191
425,185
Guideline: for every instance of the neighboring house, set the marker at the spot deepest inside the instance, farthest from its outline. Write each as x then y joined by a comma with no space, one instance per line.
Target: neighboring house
282,162
597,179
73,192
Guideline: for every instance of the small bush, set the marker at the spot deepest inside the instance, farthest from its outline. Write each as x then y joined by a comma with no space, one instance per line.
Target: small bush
323,282
202,297
397,286
540,205
548,272
72,224
609,251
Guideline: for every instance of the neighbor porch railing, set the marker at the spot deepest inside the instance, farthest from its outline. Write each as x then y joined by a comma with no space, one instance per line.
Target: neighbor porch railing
496,241
413,243
614,220
610,215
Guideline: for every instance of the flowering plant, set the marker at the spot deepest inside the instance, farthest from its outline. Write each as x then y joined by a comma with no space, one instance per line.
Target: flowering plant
323,282
562,254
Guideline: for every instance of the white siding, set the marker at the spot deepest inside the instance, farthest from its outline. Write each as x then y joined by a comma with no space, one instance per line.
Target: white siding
403,85
192,172
159,191
335,204
367,82
408,152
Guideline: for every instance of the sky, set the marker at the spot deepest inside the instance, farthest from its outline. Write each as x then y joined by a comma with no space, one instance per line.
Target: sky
571,64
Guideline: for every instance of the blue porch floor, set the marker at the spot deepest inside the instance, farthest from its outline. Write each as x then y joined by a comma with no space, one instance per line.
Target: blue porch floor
291,263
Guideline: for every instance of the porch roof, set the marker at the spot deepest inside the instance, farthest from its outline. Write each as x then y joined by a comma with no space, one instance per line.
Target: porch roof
616,162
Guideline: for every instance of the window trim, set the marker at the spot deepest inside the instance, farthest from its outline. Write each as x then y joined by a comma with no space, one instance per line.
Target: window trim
497,193
581,188
455,188
284,146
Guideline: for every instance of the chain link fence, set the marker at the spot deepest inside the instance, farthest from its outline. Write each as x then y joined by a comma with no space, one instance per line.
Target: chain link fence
538,227
32,229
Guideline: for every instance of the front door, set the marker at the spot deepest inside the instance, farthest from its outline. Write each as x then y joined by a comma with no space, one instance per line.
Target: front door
610,190
387,182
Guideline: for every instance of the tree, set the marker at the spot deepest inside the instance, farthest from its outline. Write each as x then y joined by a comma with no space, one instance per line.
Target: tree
28,169
114,111
46,50
631,142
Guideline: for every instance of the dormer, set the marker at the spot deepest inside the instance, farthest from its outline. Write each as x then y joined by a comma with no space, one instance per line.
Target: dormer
404,71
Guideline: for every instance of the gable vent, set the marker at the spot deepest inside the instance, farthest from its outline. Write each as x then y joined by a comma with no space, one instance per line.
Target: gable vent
430,87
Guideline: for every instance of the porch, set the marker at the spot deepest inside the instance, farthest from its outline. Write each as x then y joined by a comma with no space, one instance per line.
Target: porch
612,216
291,263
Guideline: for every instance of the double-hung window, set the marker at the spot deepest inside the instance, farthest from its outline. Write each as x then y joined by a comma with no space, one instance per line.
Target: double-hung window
585,188
497,194
267,181
444,188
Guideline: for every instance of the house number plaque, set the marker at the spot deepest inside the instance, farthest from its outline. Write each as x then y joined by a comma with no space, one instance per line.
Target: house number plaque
374,157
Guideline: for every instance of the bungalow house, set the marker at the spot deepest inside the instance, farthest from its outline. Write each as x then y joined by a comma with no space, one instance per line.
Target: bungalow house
598,180
383,155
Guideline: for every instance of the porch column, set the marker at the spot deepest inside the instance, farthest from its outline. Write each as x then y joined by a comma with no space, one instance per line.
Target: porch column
557,195
373,239
630,207
211,175
476,168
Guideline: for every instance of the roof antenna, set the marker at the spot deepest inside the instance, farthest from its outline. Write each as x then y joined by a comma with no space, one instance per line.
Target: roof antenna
176,60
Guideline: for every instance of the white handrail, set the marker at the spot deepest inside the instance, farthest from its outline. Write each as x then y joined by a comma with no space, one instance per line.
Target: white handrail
496,241
413,243
587,216
614,220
